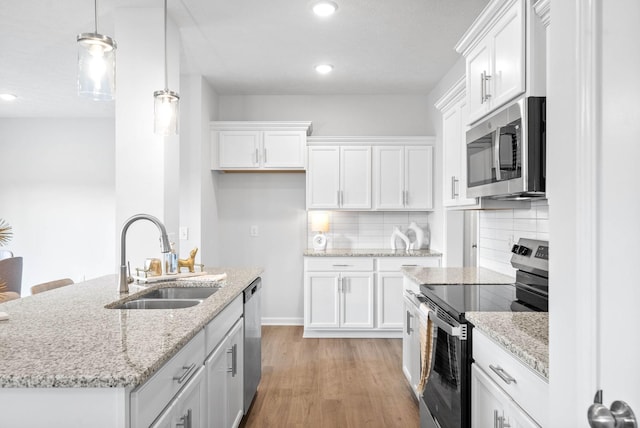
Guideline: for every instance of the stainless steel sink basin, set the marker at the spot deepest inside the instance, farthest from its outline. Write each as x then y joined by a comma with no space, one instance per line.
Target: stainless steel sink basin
158,304
180,293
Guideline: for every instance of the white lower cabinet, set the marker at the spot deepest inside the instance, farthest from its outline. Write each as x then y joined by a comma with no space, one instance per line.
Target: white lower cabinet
505,392
411,345
201,386
356,296
187,410
224,380
492,407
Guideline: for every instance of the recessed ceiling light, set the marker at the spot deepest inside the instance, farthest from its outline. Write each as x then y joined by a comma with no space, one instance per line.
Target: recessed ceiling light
7,97
324,68
325,8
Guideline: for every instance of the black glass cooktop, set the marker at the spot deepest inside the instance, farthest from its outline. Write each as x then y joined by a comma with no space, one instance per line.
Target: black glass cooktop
461,298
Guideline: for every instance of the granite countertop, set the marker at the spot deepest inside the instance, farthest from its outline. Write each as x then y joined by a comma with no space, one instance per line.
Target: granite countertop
348,252
523,334
67,338
463,275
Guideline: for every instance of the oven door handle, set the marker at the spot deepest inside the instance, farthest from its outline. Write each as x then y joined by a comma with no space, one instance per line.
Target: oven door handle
445,326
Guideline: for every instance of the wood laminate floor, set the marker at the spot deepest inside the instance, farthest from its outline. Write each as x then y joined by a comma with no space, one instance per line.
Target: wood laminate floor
330,383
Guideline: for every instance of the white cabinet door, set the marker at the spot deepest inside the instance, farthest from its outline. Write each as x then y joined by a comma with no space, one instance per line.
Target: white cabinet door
356,300
452,151
418,177
321,300
508,80
239,149
355,177
408,353
323,177
224,380
491,406
188,408
390,300
235,353
478,67
283,149
388,175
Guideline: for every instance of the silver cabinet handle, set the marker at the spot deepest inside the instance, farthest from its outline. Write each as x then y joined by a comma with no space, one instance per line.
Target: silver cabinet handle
234,360
341,265
495,419
187,372
454,180
487,95
264,155
506,377
482,88
185,421
409,316
404,198
257,160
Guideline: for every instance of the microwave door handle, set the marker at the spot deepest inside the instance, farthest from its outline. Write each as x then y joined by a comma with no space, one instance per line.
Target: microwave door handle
496,152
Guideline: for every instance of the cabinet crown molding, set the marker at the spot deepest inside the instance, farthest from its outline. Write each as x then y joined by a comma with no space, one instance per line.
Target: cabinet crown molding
261,126
543,10
483,24
371,141
453,95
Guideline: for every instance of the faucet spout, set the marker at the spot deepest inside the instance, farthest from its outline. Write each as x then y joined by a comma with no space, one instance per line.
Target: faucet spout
164,242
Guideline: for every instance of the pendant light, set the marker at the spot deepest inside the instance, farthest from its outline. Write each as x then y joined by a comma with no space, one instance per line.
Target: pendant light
96,64
166,102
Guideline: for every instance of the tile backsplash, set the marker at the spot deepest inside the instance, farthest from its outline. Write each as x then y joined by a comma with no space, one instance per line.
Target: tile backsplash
500,229
367,230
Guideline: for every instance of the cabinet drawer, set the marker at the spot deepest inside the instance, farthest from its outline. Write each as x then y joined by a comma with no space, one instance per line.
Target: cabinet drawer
148,400
222,323
393,264
339,264
529,390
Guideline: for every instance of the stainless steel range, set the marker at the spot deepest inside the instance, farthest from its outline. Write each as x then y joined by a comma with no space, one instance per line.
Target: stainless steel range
445,401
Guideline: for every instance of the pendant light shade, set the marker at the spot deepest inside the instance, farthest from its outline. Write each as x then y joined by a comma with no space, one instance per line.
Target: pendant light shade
166,103
96,64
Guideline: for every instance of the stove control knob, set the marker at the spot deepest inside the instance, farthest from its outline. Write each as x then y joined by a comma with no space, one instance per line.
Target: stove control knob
515,249
524,251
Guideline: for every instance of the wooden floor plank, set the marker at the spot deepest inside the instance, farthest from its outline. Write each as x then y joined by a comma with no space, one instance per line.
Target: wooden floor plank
330,383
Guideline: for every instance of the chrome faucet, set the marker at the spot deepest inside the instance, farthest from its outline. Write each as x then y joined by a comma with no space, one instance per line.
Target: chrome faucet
164,241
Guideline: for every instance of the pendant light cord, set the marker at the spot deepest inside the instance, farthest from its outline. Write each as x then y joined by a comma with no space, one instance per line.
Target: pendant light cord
95,15
166,80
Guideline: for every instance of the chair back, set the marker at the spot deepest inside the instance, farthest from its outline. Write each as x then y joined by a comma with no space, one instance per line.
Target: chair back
46,286
11,274
5,254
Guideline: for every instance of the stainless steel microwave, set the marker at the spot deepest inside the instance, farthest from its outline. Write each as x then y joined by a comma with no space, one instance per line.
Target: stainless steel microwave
506,153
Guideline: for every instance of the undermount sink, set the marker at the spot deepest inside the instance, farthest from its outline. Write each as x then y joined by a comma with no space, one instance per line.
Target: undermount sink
180,293
158,304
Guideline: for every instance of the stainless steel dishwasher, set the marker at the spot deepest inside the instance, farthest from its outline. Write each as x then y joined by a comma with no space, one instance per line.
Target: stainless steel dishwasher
252,341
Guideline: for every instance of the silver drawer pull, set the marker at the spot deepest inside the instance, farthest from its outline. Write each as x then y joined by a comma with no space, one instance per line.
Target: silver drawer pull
341,265
187,372
506,377
408,265
185,421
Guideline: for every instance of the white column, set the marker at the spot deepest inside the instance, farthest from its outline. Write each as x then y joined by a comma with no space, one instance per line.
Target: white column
146,165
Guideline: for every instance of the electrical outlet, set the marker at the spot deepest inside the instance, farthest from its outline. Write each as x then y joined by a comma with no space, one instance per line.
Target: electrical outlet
254,230
184,232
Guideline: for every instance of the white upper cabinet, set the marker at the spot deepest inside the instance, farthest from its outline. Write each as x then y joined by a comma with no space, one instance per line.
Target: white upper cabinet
370,173
454,117
259,145
402,177
494,48
339,177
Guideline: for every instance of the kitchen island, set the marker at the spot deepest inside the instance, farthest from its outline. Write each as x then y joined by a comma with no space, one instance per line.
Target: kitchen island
66,355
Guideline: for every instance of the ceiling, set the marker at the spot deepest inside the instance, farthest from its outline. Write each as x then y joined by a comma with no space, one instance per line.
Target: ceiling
240,47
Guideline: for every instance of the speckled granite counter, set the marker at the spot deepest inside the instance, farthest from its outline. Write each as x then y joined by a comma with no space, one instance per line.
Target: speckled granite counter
524,334
465,275
67,338
346,252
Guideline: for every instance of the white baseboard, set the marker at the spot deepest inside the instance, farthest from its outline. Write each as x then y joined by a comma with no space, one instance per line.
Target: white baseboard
282,321
353,334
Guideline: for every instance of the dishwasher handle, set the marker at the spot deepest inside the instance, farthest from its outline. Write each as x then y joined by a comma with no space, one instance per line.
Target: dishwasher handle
251,290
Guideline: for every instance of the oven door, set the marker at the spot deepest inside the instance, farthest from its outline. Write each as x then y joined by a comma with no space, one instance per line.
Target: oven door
446,394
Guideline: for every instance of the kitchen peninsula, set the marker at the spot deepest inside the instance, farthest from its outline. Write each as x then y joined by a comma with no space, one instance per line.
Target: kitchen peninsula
77,363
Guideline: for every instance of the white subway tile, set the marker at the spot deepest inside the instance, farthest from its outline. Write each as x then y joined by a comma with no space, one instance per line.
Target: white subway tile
542,225
542,212
503,214
524,214
524,225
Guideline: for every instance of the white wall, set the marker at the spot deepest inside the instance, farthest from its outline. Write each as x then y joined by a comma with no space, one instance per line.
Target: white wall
276,202
500,229
58,192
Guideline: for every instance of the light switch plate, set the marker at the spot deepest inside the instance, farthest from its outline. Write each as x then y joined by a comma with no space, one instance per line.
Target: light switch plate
254,230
